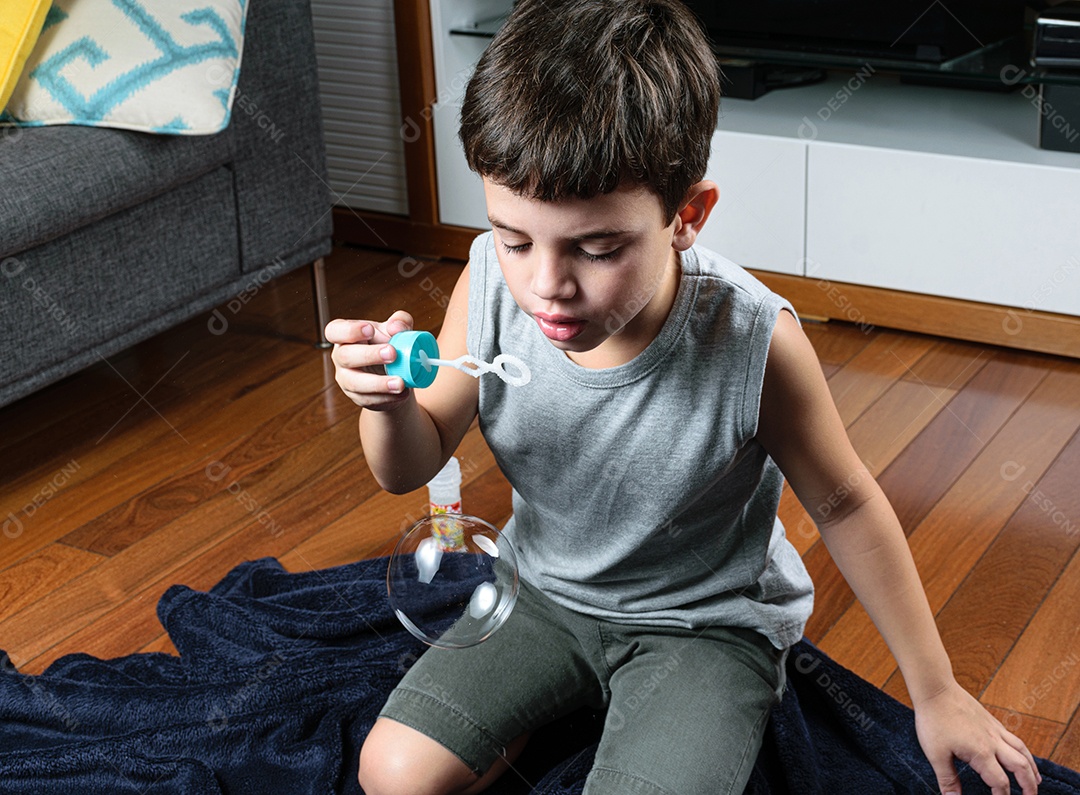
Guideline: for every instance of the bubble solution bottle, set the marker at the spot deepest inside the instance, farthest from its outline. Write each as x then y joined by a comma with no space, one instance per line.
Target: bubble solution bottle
444,497
444,490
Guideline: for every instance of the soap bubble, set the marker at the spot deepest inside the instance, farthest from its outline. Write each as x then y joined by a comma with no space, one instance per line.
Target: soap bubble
452,580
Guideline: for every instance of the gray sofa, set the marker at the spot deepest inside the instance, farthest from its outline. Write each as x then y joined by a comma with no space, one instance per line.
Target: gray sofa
108,236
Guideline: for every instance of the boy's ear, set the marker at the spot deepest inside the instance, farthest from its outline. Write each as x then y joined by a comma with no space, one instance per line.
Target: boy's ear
693,214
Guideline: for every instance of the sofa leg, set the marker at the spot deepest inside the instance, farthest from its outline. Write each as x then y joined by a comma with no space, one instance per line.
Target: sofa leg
322,305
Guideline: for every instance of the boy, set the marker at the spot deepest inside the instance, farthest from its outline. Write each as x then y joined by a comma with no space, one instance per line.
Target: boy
670,391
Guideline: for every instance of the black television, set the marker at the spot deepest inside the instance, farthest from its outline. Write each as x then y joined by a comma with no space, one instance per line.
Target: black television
905,31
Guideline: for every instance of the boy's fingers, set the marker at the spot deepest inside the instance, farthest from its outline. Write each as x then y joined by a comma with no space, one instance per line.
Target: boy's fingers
361,357
992,773
398,322
342,332
945,772
367,388
1019,745
1022,766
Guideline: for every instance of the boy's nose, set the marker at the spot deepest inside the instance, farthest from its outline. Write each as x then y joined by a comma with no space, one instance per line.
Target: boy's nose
553,279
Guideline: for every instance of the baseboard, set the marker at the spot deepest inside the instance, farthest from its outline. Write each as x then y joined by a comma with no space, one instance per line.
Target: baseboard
1044,332
398,233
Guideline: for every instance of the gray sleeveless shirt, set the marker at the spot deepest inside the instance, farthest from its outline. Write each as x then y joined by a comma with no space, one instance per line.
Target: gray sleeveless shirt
640,494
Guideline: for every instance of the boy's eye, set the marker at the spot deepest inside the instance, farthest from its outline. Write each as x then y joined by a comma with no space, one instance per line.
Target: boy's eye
599,257
523,247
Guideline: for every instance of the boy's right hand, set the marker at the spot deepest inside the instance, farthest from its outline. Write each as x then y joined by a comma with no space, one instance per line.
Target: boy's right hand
360,351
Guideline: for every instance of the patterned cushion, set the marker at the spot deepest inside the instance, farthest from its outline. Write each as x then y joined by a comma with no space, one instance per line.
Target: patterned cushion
168,66
20,24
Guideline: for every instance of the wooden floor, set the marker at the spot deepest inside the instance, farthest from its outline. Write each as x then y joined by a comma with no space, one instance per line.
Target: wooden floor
176,460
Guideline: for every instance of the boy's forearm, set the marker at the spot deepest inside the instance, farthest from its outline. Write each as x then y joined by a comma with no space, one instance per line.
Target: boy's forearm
403,447
872,553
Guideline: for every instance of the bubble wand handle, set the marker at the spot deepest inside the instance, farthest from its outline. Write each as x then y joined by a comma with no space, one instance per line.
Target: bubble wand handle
470,365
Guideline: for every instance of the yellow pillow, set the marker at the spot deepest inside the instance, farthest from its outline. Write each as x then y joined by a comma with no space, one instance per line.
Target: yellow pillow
20,25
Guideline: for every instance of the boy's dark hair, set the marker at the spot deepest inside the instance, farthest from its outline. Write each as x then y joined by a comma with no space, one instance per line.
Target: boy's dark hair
574,97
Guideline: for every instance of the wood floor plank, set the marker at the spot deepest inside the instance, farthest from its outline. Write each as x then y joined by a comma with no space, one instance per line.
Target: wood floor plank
882,432
286,312
833,597
365,532
950,364
133,625
798,526
1067,751
30,632
836,342
934,460
191,383
963,524
188,482
490,494
871,372
874,436
1041,676
423,292
985,617
372,530
149,456
879,435
38,575
889,425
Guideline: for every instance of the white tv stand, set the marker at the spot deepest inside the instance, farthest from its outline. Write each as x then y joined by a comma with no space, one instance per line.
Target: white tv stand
859,180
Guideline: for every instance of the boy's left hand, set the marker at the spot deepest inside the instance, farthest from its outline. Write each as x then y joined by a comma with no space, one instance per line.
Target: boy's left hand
953,724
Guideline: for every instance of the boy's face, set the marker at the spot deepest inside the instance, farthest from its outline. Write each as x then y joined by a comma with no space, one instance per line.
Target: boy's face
594,274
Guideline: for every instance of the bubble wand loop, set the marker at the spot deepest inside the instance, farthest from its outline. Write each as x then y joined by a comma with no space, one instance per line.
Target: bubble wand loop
418,359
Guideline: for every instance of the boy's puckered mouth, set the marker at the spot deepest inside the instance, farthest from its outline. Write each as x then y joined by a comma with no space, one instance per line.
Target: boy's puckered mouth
559,328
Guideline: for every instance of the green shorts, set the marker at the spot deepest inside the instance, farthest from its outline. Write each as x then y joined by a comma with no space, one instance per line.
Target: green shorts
686,709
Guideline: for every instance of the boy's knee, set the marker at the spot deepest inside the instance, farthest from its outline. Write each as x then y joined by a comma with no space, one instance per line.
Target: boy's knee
376,774
398,760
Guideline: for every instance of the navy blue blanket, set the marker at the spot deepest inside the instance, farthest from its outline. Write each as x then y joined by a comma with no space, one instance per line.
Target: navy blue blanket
280,677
